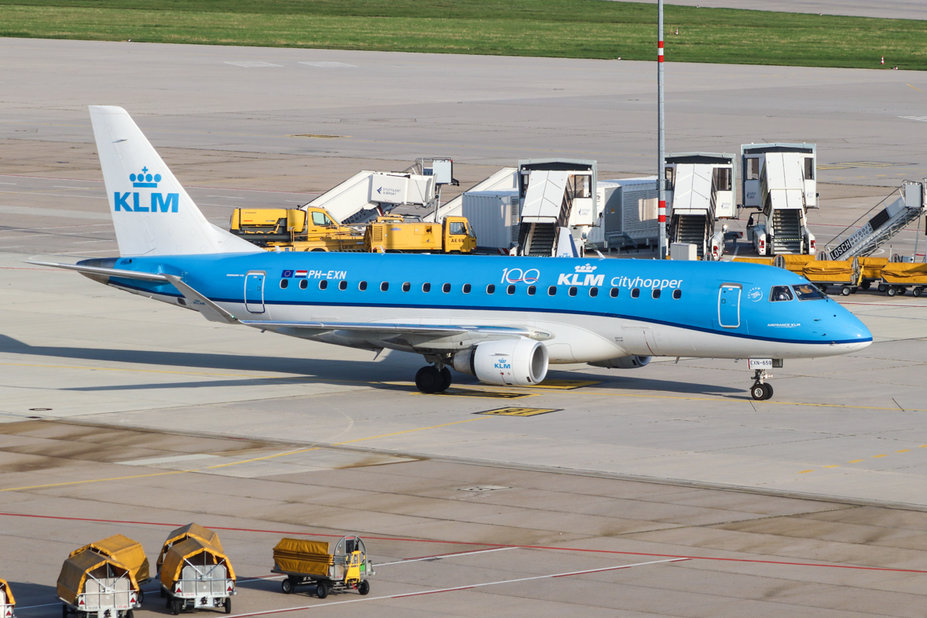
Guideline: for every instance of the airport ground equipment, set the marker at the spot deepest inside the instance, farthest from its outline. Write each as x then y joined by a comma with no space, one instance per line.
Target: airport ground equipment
391,233
555,195
92,585
779,181
699,191
793,262
846,275
126,551
369,194
304,562
191,530
870,270
503,181
197,575
295,229
493,217
881,223
899,277
7,600
628,215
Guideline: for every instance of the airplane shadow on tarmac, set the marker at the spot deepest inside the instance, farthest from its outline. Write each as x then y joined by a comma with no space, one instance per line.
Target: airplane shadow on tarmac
400,367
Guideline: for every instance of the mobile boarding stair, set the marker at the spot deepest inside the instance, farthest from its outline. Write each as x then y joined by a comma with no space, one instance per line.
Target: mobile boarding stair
699,191
557,199
866,234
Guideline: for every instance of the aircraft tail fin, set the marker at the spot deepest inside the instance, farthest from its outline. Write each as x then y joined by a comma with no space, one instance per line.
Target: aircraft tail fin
152,213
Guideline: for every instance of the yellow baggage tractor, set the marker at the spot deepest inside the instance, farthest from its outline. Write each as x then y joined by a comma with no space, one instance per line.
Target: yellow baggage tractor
897,277
843,273
7,602
310,562
92,585
195,574
126,551
191,530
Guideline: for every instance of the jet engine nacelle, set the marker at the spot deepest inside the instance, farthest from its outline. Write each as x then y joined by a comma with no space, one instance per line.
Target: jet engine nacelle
623,362
510,362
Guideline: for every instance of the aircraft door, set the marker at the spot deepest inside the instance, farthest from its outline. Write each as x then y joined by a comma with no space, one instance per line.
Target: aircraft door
254,292
729,305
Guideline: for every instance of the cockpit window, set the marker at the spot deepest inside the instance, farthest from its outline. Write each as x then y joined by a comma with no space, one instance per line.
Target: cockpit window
807,291
780,292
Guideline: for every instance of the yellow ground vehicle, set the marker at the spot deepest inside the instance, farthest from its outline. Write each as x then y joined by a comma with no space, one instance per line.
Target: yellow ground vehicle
191,530
897,277
294,229
453,235
92,585
195,574
124,550
7,601
311,562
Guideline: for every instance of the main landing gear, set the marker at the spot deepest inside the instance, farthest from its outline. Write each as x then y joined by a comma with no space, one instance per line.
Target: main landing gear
433,379
761,389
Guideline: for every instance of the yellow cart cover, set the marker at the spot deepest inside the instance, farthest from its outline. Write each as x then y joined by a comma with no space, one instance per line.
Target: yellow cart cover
905,273
302,557
197,552
191,530
755,260
793,262
838,271
121,549
6,595
76,568
872,266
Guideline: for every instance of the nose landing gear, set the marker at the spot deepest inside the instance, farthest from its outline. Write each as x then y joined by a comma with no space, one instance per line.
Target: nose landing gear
761,389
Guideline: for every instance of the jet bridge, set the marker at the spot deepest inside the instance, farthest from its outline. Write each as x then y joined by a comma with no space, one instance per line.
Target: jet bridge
778,180
558,205
699,191
867,233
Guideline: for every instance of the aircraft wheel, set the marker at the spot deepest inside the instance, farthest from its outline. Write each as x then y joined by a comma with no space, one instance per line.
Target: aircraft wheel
767,390
758,391
428,379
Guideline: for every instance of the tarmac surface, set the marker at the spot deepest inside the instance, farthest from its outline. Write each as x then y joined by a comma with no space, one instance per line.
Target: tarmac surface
662,491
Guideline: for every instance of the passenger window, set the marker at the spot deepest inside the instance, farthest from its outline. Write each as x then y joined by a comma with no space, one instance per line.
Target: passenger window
384,286
426,287
572,291
531,290
446,288
466,288
406,286
780,293
342,285
490,288
593,292
552,290
656,292
284,283
613,292
323,284
303,284
677,294
510,289
635,292
362,286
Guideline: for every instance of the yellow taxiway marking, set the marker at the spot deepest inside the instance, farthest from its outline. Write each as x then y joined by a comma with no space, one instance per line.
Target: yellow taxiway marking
856,461
914,87
518,411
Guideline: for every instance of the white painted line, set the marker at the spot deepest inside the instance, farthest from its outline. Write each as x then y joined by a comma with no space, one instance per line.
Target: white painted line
459,588
328,65
252,64
444,556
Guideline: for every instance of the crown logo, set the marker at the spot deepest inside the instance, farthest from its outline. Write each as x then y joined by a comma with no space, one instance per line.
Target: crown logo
145,179
585,268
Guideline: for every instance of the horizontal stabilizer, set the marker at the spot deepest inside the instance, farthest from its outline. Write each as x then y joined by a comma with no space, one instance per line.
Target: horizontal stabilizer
98,272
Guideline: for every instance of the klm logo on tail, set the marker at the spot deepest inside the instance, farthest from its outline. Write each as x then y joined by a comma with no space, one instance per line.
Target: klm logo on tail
158,202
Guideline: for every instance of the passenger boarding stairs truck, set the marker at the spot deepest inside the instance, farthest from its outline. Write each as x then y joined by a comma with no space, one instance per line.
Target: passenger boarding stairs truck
699,191
558,205
867,233
778,180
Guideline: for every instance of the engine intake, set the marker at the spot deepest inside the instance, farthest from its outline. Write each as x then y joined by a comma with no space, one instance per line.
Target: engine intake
508,362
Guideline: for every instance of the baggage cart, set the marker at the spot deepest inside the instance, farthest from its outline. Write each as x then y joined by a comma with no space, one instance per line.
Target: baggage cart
124,550
898,277
871,268
846,274
306,562
191,530
7,602
92,585
197,575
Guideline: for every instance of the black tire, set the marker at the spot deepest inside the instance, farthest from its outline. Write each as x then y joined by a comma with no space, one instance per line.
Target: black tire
228,605
175,606
865,285
141,596
64,611
287,586
428,379
130,614
845,290
767,391
891,291
917,291
363,588
446,379
321,590
758,392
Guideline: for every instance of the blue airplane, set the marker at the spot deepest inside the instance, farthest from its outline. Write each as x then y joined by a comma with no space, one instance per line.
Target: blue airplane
502,319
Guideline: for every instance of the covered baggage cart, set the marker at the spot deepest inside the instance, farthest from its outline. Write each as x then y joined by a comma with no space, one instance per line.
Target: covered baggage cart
897,277
871,268
124,550
196,574
793,262
843,273
190,531
346,567
7,602
95,586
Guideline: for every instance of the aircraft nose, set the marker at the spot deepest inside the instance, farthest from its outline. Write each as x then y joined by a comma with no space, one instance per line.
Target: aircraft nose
847,331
